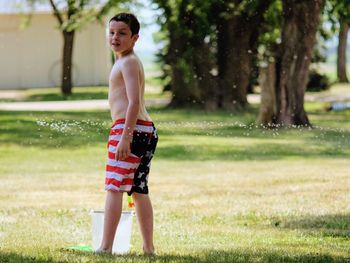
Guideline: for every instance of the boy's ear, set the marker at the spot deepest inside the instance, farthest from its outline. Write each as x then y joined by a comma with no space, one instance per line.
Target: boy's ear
135,37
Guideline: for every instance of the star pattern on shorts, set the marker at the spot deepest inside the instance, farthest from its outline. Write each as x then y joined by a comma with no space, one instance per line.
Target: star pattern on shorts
155,133
142,185
149,154
140,174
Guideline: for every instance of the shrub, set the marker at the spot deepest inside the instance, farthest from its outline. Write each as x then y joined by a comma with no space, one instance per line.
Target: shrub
317,82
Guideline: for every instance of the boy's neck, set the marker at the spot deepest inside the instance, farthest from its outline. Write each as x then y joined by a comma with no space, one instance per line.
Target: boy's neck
125,53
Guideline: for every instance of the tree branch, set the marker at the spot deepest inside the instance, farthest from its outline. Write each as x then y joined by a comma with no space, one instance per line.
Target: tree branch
82,4
57,13
71,8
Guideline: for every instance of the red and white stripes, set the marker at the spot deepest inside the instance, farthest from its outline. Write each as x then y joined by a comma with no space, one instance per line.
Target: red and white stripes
120,174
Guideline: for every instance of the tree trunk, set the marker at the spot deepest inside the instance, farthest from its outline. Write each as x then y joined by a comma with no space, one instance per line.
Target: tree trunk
301,21
267,81
341,59
66,82
233,64
223,52
203,64
237,41
184,87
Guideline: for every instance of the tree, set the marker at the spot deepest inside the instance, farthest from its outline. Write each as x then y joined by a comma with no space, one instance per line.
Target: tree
301,22
269,45
76,16
284,78
203,37
237,41
267,81
73,15
175,56
210,48
339,13
187,56
341,51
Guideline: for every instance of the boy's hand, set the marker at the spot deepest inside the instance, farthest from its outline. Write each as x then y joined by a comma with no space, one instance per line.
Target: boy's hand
123,150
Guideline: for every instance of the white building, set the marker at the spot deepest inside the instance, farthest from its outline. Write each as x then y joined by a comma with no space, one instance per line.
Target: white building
31,57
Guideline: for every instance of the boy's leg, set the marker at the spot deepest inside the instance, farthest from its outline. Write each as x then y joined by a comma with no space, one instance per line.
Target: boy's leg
144,214
113,209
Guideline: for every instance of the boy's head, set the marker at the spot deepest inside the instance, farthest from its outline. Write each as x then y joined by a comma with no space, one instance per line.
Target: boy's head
123,32
128,19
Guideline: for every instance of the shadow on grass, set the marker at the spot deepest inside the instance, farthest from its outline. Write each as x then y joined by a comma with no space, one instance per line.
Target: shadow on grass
205,256
74,129
76,96
53,130
337,225
258,151
18,258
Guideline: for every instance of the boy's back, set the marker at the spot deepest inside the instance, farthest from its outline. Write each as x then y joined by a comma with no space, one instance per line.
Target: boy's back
117,95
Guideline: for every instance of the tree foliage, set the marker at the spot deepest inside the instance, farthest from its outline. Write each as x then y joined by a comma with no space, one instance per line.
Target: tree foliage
338,12
210,46
185,27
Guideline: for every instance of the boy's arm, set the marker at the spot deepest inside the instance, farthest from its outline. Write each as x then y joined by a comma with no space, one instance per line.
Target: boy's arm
130,72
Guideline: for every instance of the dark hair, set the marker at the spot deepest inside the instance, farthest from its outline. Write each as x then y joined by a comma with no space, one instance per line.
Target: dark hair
128,19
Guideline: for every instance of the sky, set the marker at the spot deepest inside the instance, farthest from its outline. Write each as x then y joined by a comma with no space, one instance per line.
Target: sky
147,17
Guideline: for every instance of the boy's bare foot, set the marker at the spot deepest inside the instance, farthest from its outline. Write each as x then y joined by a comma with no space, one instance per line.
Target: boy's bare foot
149,251
103,250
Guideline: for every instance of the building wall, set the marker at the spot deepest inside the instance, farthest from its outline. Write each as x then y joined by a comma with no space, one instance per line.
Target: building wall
31,57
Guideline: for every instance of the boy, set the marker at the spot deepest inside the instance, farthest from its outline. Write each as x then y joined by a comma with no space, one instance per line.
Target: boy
133,137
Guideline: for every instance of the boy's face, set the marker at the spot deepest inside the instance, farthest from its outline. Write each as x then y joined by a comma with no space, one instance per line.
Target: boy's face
120,39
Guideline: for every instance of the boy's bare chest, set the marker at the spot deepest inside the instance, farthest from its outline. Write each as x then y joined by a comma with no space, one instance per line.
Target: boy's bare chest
116,76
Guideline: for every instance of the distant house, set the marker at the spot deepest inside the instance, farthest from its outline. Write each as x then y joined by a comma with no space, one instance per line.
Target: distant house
31,57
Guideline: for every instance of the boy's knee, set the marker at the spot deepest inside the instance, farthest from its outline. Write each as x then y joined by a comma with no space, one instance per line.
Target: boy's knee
138,196
115,193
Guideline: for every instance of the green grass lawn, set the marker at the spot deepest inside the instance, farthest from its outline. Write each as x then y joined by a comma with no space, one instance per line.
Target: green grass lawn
153,91
223,189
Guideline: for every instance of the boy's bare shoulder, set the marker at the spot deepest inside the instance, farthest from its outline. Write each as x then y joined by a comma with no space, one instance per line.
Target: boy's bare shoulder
131,61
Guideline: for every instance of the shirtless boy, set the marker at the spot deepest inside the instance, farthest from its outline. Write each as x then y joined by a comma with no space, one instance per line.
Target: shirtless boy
133,137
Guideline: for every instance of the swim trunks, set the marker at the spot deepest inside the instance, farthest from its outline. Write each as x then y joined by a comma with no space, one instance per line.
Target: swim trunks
131,174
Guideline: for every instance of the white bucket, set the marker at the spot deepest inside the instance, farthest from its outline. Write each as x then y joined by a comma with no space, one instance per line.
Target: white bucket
122,239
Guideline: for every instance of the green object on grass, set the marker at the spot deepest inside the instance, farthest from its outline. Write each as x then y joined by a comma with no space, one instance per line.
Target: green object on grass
129,199
130,202
81,248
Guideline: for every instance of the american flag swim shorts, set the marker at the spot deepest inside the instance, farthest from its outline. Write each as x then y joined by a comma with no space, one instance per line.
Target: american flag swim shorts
131,174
